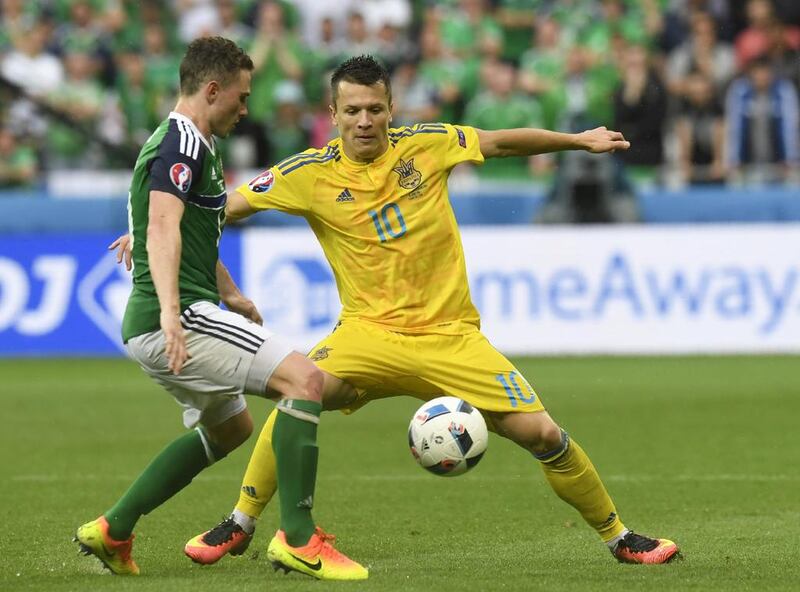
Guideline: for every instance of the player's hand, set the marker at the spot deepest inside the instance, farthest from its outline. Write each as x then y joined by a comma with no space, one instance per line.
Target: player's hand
601,139
245,307
174,342
123,246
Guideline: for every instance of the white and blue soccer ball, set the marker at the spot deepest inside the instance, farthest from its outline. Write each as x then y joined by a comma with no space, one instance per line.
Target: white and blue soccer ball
447,436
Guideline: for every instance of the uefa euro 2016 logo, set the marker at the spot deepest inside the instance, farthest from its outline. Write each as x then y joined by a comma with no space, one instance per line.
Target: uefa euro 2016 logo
181,176
263,182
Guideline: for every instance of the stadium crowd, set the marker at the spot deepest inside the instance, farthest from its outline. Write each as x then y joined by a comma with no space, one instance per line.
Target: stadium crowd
706,90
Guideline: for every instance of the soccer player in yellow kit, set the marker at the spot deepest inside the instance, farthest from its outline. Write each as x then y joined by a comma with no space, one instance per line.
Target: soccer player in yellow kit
377,200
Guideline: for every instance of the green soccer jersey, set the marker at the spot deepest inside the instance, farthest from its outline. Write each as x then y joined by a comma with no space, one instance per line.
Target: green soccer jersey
178,160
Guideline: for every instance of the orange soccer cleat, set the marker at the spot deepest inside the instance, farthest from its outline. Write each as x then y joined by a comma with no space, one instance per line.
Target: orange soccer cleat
93,539
635,548
213,545
318,558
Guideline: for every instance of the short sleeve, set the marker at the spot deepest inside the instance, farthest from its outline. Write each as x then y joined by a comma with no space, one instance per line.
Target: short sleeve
462,146
272,190
174,172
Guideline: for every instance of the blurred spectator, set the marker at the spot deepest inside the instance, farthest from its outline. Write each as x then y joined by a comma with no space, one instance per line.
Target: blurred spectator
276,55
161,68
678,21
703,53
700,132
18,163
83,31
321,128
36,72
443,72
16,16
80,100
136,100
517,19
784,58
378,13
640,105
313,12
286,131
632,22
470,27
754,40
28,65
589,90
230,26
393,46
762,125
196,18
357,39
414,97
543,69
500,107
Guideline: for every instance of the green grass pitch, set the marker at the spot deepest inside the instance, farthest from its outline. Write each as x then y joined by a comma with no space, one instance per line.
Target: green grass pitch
703,450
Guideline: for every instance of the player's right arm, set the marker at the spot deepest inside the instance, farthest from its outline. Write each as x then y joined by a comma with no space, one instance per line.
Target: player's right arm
164,258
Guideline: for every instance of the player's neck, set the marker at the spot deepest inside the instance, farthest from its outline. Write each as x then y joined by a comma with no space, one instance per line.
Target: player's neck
359,159
195,113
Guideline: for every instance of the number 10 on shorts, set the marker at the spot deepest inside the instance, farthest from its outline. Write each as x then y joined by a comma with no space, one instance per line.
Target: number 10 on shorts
513,390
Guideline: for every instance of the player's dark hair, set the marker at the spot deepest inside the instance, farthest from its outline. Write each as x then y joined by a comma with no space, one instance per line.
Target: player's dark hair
364,70
212,58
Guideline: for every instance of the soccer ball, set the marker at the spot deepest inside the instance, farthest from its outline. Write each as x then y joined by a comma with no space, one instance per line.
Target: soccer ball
447,436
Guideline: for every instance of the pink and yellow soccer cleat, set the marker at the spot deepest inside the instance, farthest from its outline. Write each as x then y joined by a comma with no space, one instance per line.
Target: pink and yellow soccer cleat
318,558
213,545
635,548
93,539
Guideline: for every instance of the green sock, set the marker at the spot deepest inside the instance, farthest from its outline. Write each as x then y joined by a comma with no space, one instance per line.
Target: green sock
294,440
168,473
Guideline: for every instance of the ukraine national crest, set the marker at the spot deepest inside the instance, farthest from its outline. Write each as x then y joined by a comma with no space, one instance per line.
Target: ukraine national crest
181,176
410,178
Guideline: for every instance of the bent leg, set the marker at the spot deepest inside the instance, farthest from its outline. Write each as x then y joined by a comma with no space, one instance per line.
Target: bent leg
260,478
566,467
168,473
294,443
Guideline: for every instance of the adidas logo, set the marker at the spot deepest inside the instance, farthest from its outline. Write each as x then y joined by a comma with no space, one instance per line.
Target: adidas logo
345,196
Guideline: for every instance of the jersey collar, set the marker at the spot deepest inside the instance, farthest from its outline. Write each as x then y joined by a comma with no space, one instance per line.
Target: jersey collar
382,159
180,117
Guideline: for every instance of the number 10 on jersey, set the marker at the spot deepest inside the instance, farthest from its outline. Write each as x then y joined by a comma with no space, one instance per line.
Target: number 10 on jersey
389,222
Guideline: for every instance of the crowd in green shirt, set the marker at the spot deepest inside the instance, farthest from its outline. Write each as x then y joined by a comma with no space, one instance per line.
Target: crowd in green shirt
491,64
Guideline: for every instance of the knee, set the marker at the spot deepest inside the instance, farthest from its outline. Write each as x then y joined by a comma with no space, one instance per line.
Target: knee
308,384
231,434
536,432
549,437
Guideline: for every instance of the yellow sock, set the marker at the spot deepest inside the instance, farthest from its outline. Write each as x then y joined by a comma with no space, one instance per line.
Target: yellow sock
575,480
260,480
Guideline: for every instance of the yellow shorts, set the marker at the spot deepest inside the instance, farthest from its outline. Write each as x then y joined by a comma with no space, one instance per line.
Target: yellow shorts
381,363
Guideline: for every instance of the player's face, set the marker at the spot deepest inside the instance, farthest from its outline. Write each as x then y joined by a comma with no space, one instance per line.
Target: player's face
362,115
230,104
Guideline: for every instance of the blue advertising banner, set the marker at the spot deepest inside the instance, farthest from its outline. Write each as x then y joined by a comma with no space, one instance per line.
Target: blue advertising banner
65,295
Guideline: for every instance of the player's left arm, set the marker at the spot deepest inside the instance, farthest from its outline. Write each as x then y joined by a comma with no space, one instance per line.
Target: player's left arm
529,141
233,298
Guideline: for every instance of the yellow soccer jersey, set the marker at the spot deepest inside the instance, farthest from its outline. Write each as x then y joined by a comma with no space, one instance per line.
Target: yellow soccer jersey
387,227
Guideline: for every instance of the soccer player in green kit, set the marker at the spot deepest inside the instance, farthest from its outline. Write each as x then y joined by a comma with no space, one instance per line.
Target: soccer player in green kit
205,356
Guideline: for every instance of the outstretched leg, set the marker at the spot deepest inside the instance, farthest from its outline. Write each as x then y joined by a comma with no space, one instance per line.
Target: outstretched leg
574,479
